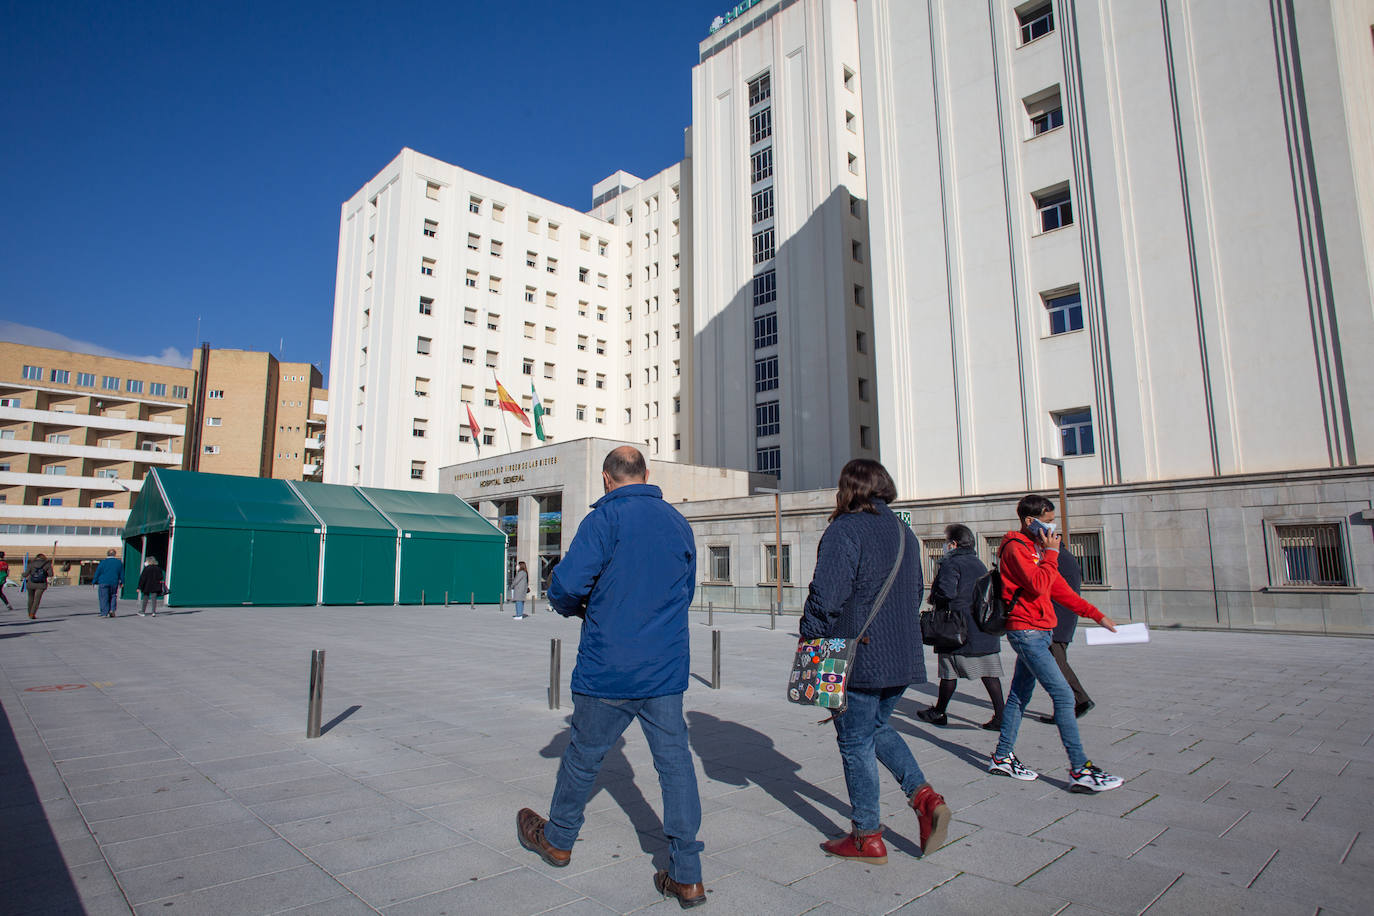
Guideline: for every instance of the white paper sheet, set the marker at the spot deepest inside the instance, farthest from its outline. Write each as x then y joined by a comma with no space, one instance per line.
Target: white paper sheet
1125,633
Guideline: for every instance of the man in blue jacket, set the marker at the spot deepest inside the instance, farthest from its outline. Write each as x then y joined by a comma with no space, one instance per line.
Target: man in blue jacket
629,574
109,577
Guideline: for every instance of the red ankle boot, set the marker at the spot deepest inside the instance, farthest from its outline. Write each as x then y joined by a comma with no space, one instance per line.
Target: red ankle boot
861,847
933,815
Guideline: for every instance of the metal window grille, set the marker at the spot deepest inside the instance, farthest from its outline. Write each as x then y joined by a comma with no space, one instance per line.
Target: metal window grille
1087,549
769,460
770,564
766,288
761,164
993,544
934,549
1311,555
765,330
767,418
763,205
761,125
760,89
766,373
720,564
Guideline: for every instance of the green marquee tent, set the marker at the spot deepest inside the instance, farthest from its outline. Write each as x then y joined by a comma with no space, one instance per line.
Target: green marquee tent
227,540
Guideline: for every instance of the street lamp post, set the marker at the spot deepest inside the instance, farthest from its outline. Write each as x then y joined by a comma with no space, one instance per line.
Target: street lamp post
777,544
1058,464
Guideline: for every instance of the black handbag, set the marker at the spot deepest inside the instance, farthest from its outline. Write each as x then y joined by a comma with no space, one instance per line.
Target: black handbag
944,629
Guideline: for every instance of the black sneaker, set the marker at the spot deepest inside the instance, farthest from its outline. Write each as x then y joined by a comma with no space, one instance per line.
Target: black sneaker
933,717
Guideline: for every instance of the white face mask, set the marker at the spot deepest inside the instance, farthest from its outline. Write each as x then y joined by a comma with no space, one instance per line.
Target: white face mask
1045,529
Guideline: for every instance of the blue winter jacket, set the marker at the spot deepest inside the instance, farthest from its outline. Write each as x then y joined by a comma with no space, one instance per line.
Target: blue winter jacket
630,573
109,572
856,553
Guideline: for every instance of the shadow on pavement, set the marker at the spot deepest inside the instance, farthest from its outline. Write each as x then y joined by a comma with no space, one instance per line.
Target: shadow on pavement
33,874
339,718
908,709
616,777
719,743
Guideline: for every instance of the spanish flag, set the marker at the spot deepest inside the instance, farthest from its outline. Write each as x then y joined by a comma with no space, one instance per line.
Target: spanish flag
505,402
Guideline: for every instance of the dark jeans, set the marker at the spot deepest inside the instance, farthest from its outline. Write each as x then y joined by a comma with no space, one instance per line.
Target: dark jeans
108,594
596,726
865,740
1035,663
1060,651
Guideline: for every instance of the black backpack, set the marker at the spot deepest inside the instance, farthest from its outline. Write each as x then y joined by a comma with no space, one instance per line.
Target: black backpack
990,609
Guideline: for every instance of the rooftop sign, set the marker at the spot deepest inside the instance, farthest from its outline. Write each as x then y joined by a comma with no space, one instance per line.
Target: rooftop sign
740,9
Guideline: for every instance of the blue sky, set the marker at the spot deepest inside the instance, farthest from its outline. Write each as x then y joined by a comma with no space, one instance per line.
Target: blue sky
173,160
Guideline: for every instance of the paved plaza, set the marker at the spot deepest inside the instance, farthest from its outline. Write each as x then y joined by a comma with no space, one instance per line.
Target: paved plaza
160,766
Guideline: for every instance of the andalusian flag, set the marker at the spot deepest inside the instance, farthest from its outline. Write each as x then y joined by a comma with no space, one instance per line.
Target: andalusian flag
505,402
476,430
538,414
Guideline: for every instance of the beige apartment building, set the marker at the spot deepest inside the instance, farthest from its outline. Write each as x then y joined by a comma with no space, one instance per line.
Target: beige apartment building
78,434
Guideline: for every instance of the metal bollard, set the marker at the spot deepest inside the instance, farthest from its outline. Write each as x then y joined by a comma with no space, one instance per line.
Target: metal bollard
772,616
445,597
472,601
316,696
715,659
422,597
710,613
555,670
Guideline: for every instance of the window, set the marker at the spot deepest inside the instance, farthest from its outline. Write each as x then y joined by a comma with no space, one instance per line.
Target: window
102,504
495,248
1087,548
211,450
86,379
533,225
475,205
1311,555
767,418
861,341
770,564
848,79
418,428
217,394
157,389
107,382
584,274
851,123
584,241
493,284
527,367
856,251
934,551
417,470
470,280
34,373
581,376
431,229
427,266
474,241
581,411
488,436
61,376
600,347
602,281
760,89
582,341
1075,431
763,205
432,190
863,389
180,391
854,206
470,317
768,460
426,306
489,398
601,415
493,321
422,345
498,213
1036,22
766,330
763,246
214,421
718,563
766,288
858,295
529,330
551,336
761,125
766,373
491,359
1055,209
551,265
421,387
865,437
529,293
1065,312
1045,110
50,501
106,473
761,164
600,380
59,438
553,231
551,300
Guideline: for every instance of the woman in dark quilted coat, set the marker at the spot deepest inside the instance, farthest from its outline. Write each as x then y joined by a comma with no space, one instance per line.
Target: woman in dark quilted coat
978,657
855,557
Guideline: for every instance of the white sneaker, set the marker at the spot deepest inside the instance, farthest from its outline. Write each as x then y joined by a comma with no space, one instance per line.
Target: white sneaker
141,614
1010,766
1091,778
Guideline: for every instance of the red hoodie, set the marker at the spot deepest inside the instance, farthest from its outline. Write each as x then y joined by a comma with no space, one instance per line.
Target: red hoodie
1032,578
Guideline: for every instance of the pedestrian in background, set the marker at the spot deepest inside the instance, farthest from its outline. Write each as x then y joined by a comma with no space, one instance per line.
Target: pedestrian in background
151,586
36,579
519,588
109,578
856,555
4,581
629,574
1064,628
1030,579
980,656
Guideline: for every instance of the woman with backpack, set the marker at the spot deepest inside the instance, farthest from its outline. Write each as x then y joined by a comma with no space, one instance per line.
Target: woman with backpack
858,552
36,579
980,655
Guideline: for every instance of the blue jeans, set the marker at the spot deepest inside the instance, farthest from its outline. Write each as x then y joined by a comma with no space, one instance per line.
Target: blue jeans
1035,663
519,609
865,740
596,726
108,593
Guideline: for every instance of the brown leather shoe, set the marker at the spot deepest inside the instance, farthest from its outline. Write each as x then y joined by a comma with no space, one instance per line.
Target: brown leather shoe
933,815
861,847
529,829
688,895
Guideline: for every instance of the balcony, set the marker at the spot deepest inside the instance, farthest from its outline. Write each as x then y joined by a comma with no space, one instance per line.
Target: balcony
67,482
314,443
91,452
69,420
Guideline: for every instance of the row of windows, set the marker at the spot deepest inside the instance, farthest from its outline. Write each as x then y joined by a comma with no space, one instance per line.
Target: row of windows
107,382
498,213
88,531
763,247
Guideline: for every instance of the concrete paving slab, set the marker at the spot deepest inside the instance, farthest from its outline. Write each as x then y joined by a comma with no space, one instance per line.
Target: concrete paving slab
970,895
1190,895
405,879
1003,857
518,891
1107,882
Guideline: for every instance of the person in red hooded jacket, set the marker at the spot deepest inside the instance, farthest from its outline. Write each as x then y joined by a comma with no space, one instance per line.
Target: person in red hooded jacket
1031,583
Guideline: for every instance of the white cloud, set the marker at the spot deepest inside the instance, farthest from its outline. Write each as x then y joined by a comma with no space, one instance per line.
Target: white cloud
39,337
